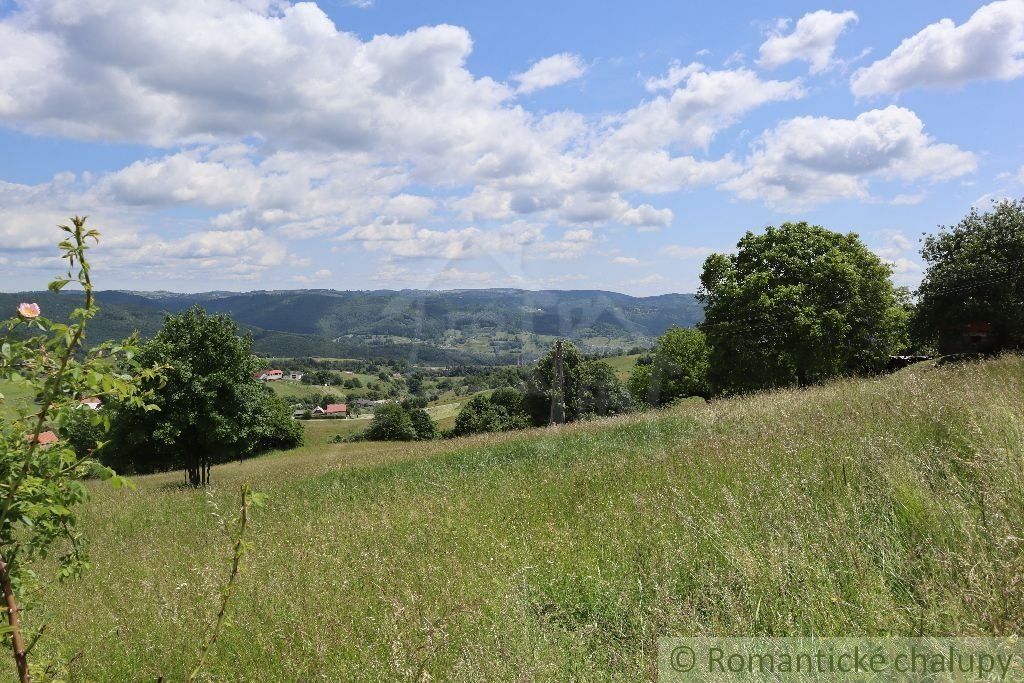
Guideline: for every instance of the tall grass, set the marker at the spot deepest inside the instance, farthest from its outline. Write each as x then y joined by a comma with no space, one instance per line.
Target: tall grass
881,506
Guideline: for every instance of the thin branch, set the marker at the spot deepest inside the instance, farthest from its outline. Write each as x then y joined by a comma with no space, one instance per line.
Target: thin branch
215,628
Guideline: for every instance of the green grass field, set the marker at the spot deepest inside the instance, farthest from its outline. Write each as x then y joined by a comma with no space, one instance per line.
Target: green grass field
299,390
15,397
880,506
320,432
623,365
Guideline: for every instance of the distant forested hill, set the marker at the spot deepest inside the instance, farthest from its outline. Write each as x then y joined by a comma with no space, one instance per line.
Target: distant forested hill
481,325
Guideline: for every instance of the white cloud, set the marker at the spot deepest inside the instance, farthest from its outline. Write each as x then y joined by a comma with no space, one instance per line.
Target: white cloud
319,278
813,40
574,244
895,246
900,253
268,120
681,252
987,200
909,199
647,280
692,115
407,240
646,217
677,73
810,160
626,261
550,71
988,46
454,275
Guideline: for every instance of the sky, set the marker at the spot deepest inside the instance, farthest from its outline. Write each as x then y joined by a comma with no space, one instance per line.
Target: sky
377,144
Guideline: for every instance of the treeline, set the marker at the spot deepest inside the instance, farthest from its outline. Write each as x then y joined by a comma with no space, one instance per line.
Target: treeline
564,386
799,304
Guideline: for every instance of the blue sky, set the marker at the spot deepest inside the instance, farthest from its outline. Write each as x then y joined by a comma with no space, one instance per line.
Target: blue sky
260,144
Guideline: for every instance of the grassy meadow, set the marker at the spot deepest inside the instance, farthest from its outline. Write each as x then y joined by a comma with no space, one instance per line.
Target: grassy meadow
882,506
622,365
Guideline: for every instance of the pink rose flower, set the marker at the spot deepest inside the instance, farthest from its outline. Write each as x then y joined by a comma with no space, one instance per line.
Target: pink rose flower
26,310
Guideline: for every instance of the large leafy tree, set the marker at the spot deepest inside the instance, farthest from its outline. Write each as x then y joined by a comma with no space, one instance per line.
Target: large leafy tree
211,408
975,274
678,368
795,305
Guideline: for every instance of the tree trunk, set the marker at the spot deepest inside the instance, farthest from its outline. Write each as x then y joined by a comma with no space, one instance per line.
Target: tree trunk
14,620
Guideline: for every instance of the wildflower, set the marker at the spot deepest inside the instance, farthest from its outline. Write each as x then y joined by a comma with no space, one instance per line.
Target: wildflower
26,310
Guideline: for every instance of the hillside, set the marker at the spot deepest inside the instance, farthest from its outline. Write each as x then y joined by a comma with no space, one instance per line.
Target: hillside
880,506
458,326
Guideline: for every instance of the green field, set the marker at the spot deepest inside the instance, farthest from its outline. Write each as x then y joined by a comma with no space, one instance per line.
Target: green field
880,506
623,365
320,432
15,398
286,387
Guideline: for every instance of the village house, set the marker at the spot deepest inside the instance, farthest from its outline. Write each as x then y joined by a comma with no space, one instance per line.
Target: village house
269,375
91,402
45,438
336,410
367,403
295,375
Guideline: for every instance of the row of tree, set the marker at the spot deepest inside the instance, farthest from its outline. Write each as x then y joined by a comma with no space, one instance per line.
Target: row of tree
799,304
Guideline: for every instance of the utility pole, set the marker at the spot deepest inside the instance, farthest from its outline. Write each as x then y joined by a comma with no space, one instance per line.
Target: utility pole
558,406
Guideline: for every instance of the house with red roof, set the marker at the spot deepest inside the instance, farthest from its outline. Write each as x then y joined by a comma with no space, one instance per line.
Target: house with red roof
336,410
45,438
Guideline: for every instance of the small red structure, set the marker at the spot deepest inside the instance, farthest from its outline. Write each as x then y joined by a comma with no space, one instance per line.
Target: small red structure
336,409
971,337
45,438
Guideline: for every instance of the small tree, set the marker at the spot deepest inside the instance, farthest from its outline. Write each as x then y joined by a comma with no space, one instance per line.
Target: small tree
797,305
975,274
212,409
579,388
678,368
601,392
391,422
502,411
423,425
557,376
41,481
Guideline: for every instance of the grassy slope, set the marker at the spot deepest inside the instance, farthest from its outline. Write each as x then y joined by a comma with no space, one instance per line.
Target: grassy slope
623,365
880,506
15,398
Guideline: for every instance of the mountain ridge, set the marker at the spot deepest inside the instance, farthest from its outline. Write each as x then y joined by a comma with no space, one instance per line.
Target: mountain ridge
456,326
